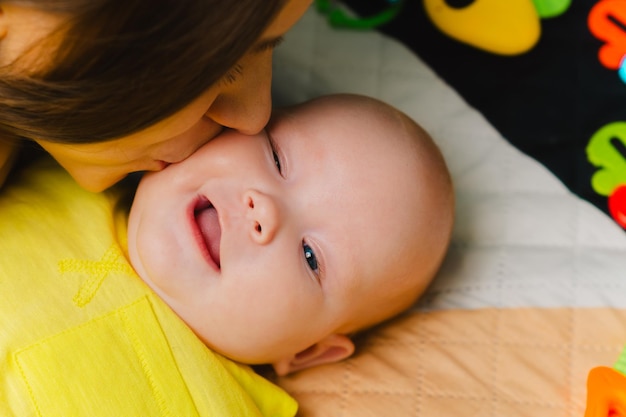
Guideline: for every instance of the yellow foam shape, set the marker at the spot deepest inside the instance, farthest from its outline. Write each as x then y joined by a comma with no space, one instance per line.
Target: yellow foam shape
508,27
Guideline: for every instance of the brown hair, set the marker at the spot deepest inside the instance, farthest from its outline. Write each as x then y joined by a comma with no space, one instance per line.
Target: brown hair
124,65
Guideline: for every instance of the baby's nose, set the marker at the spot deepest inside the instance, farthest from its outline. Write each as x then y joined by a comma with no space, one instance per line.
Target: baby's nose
262,212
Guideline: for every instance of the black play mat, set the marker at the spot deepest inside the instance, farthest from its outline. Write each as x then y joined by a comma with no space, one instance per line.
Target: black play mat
548,102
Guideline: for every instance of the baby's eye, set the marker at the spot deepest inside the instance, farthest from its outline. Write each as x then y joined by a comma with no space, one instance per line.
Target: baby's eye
310,257
275,154
276,160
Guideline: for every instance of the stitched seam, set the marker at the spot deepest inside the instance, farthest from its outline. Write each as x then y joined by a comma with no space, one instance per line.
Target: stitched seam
419,402
31,392
343,400
572,313
160,399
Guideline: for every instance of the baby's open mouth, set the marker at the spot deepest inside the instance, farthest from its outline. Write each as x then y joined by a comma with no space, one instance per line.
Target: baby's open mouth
209,227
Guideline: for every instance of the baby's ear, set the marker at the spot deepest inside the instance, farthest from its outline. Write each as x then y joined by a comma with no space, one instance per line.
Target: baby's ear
333,348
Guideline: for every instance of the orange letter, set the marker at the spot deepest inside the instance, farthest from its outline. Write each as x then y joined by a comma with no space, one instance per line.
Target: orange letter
604,23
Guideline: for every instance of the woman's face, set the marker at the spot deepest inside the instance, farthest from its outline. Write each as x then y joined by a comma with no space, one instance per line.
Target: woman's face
241,101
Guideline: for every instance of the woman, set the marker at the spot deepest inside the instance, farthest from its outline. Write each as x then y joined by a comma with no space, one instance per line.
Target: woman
109,87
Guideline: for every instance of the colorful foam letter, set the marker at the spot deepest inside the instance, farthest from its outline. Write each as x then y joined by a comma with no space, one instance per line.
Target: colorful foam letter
506,27
606,21
551,8
601,152
606,393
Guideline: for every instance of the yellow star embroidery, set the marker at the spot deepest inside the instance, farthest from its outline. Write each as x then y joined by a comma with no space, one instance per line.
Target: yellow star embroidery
112,261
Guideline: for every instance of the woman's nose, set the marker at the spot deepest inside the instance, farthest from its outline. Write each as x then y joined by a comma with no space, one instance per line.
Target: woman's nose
262,215
247,114
246,105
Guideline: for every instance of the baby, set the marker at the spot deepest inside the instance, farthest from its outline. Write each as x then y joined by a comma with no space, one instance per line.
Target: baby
274,249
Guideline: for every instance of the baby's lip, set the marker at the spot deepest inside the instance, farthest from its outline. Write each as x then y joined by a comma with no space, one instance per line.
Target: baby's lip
207,230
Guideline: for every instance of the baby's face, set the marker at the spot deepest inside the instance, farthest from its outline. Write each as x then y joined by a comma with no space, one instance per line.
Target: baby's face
265,244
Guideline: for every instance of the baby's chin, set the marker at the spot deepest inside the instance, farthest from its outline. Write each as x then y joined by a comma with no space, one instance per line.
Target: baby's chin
242,354
247,351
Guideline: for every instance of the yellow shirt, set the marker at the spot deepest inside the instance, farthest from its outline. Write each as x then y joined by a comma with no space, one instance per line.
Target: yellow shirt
80,333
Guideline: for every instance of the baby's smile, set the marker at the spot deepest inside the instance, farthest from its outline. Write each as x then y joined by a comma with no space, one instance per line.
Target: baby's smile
208,230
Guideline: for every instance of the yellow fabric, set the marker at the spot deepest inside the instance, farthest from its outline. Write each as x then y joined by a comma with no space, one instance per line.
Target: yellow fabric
81,335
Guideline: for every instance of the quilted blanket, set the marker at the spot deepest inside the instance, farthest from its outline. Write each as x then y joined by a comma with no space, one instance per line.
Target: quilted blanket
532,294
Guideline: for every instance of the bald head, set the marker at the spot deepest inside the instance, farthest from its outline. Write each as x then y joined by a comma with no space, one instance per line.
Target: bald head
402,194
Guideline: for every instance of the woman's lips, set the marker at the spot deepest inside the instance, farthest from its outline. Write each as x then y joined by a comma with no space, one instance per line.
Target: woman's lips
209,231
